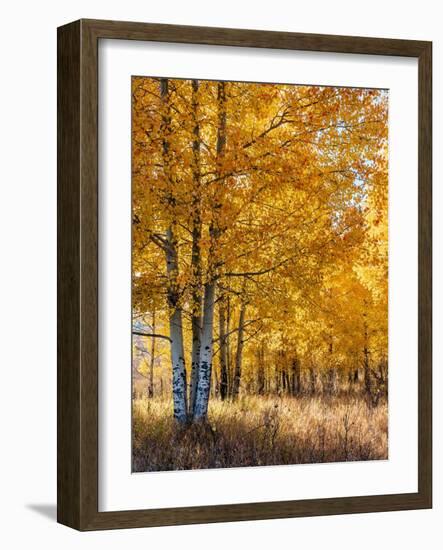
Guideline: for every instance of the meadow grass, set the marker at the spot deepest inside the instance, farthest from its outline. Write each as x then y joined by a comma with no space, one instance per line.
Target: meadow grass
260,431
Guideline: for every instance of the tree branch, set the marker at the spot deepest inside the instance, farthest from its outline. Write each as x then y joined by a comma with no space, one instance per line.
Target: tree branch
260,272
151,335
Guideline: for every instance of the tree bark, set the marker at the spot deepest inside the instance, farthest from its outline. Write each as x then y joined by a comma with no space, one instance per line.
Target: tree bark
366,365
205,364
239,352
223,349
277,373
178,366
284,379
151,362
261,378
295,376
206,348
312,381
196,316
228,346
176,333
330,374
179,385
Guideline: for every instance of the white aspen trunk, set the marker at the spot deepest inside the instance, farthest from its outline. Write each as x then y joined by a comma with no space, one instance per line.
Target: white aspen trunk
178,366
195,361
179,385
205,364
206,347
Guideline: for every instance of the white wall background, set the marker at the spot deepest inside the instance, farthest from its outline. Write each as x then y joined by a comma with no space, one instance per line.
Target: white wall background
28,274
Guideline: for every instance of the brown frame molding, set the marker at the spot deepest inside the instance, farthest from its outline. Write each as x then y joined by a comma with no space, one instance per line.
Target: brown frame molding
77,319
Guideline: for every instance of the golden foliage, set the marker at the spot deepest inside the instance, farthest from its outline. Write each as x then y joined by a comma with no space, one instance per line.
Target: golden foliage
291,213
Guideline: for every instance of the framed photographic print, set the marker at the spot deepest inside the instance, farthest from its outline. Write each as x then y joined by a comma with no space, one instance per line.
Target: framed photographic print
244,275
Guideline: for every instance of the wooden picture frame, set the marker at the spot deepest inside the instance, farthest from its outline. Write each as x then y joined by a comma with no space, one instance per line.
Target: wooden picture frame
78,274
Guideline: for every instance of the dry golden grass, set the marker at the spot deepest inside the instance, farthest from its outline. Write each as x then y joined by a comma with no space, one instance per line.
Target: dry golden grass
260,431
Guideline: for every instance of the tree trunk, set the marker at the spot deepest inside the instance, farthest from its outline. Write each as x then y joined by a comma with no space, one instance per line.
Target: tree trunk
239,352
330,374
330,379
366,366
223,349
179,388
284,379
196,320
312,381
206,348
151,362
295,376
215,384
179,385
178,366
228,346
205,365
261,378
367,373
277,374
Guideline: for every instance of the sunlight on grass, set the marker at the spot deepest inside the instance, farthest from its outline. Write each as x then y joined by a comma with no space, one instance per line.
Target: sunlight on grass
260,431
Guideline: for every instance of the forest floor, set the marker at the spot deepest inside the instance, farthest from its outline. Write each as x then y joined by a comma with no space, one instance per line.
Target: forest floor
260,431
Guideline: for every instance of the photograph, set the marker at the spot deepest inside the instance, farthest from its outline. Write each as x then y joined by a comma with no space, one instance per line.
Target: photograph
259,274
222,227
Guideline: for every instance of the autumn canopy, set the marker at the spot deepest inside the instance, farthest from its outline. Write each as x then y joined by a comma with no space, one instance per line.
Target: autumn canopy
260,252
